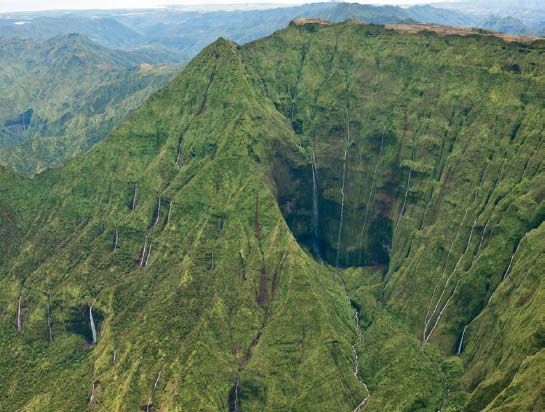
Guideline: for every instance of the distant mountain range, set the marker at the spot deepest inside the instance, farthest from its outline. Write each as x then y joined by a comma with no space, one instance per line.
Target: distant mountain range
61,93
185,33
334,218
60,96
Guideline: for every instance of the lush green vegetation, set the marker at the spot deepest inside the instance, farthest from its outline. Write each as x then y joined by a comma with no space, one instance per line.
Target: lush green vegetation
61,96
184,32
221,239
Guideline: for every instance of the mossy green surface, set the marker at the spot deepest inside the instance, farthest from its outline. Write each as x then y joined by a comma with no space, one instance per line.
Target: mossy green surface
61,96
242,305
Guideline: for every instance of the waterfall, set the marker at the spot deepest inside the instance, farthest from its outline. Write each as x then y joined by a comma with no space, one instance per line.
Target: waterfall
461,343
482,237
237,387
404,201
158,377
315,211
116,239
355,365
149,404
158,213
92,322
339,235
511,261
92,396
429,316
143,255
408,185
367,206
19,319
440,315
184,131
114,357
133,203
148,255
426,211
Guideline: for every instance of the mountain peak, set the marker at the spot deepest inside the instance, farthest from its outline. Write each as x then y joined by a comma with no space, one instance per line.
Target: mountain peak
310,20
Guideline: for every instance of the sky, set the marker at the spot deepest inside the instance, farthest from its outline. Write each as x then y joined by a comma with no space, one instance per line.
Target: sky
28,5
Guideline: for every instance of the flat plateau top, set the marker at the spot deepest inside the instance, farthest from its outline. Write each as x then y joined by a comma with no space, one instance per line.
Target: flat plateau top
462,31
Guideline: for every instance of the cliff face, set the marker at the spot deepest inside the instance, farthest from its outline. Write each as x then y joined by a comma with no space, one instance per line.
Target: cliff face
332,211
426,153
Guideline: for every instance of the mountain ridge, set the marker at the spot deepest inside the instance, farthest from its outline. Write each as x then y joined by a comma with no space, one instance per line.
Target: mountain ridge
62,95
188,234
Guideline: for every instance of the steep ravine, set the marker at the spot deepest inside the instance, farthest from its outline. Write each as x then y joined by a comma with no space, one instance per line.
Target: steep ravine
449,179
193,261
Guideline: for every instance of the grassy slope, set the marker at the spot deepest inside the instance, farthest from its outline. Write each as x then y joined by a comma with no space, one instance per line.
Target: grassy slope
458,116
229,290
78,92
213,283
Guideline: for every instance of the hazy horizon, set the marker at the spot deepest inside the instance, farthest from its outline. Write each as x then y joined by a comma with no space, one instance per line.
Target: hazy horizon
38,5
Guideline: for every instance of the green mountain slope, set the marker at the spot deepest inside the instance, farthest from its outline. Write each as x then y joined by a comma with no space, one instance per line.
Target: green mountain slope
332,212
61,96
105,30
187,31
428,162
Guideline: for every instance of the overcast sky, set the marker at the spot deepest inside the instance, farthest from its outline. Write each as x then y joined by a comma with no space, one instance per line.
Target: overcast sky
25,5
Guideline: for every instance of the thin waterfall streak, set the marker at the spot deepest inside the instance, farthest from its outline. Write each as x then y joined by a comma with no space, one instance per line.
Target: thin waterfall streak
482,238
404,201
116,239
499,177
341,218
315,210
530,160
237,386
461,343
92,396
158,377
440,315
339,235
355,365
179,152
93,327
450,276
180,144
19,318
371,194
506,273
468,243
408,185
158,213
143,255
429,319
148,255
429,316
422,224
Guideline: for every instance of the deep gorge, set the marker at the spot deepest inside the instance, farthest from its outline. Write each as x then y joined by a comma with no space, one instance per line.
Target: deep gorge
294,224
